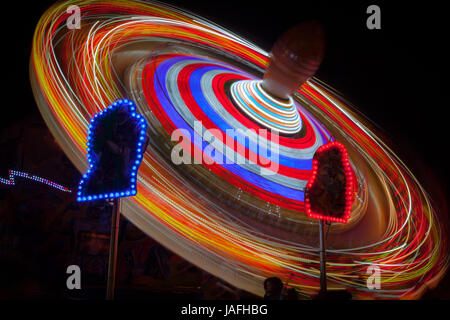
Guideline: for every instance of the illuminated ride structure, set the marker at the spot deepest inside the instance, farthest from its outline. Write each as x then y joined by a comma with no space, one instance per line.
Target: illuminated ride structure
222,181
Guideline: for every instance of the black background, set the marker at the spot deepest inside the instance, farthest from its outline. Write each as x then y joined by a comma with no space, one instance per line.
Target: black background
393,75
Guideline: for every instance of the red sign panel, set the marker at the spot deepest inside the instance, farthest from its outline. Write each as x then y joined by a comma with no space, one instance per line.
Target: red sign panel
329,193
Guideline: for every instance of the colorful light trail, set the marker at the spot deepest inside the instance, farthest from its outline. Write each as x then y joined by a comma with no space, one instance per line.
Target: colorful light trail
238,225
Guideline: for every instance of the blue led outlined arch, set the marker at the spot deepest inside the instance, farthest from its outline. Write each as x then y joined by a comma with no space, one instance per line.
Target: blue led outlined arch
115,144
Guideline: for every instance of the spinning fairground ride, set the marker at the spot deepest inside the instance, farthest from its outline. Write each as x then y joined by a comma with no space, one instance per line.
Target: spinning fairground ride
232,133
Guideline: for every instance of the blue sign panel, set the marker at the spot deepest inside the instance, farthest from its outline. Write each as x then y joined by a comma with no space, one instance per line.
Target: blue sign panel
115,147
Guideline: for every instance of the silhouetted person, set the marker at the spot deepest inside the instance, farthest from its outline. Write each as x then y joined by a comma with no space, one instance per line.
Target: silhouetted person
273,288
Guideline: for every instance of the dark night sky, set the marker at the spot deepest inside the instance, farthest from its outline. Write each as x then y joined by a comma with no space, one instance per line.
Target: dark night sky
393,75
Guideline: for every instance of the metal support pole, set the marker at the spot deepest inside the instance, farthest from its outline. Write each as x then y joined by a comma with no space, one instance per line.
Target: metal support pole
323,257
113,243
